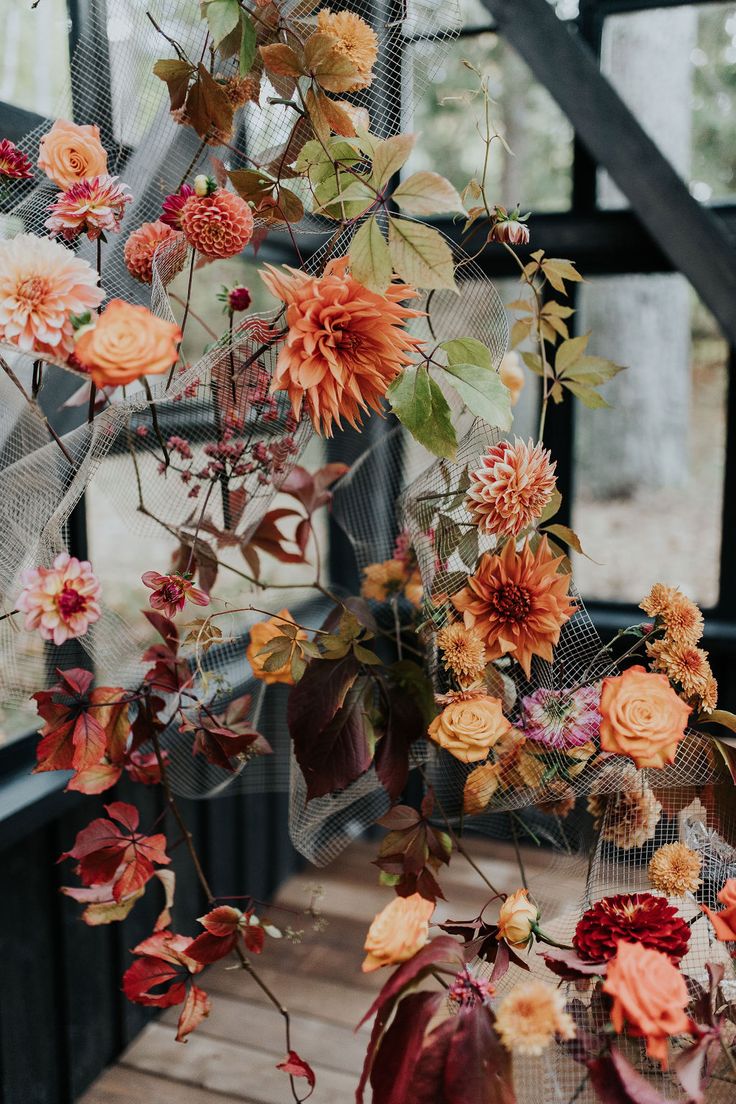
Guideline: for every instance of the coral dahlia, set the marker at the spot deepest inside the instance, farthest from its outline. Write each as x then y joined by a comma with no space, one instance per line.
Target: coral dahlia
60,601
41,285
518,602
634,918
142,245
511,487
218,225
345,343
89,206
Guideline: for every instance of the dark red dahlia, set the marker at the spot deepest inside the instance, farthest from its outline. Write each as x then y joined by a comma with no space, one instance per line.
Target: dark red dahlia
13,162
172,205
634,918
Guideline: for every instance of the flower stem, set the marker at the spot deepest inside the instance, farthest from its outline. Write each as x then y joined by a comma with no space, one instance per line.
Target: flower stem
459,845
184,317
37,410
154,419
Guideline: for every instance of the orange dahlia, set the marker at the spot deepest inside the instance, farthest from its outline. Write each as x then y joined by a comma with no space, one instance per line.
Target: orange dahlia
143,243
218,225
518,602
345,343
352,38
41,285
511,487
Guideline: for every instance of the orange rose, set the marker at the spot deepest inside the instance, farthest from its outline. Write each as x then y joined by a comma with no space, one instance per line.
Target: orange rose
398,932
125,343
468,728
69,153
517,919
260,635
649,995
724,921
642,717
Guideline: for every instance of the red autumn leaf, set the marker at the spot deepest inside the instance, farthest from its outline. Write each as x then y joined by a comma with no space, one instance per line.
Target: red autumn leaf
161,974
105,852
208,948
96,779
82,726
196,1008
220,737
392,1072
254,937
297,1067
443,949
145,768
311,489
223,927
270,539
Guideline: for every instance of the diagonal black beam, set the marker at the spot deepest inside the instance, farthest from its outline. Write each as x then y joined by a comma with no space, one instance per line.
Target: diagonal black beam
697,244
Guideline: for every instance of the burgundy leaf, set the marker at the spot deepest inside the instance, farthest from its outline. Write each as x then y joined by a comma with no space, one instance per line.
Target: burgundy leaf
333,757
617,1082
477,1067
392,1072
403,726
567,964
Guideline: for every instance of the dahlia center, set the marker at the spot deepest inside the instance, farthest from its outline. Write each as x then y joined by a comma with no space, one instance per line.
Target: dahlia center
70,601
512,602
172,592
31,291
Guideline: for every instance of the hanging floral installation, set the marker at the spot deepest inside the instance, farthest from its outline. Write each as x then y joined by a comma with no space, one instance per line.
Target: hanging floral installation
465,661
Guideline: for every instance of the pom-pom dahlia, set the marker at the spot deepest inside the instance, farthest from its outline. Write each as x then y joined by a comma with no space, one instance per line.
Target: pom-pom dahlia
675,869
518,602
91,206
634,918
463,651
143,243
217,225
352,38
511,487
345,344
60,601
42,284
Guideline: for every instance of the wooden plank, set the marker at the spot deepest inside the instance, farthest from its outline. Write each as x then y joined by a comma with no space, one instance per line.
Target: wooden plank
124,1085
225,1067
689,234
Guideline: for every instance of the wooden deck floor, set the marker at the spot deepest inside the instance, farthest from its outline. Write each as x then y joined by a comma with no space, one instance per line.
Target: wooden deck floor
232,1056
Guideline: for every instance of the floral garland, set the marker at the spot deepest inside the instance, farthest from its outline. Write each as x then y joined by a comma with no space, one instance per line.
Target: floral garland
479,634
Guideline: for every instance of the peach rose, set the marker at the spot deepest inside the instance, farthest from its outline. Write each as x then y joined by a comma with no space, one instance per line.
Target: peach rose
125,343
724,921
642,717
260,634
468,728
649,996
398,932
517,919
69,153
512,375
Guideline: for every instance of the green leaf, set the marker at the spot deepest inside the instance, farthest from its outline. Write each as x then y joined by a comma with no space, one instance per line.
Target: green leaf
365,655
482,391
552,506
466,350
419,404
389,156
247,44
427,193
222,18
533,362
567,536
588,395
570,352
370,260
420,255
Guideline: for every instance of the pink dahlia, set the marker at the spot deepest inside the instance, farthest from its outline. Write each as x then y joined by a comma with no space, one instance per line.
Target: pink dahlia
13,162
511,487
60,601
172,206
561,718
143,243
89,206
42,284
218,225
170,592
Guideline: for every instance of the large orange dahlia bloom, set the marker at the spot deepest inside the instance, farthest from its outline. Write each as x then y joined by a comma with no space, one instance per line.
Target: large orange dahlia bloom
345,343
518,602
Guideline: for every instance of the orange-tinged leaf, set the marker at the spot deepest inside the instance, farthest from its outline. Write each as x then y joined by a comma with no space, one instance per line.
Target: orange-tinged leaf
333,71
197,1007
95,779
280,59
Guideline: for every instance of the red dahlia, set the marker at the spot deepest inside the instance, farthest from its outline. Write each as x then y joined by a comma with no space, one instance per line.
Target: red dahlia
634,918
13,162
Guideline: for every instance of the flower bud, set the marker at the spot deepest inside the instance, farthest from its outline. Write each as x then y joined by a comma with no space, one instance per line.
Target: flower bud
517,919
238,299
509,227
204,185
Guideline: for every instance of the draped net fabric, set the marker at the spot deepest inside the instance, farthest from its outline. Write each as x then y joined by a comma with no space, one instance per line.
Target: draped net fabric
393,485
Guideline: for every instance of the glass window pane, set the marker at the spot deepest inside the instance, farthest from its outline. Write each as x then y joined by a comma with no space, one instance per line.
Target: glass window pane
649,471
538,176
674,67
42,36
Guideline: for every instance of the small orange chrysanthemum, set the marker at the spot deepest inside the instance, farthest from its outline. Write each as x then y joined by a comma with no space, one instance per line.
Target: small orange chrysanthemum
345,343
688,667
463,651
511,487
353,39
143,243
530,1016
681,618
518,602
218,225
